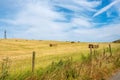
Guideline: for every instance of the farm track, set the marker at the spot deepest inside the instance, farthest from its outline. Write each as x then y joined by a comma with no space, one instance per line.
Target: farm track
115,76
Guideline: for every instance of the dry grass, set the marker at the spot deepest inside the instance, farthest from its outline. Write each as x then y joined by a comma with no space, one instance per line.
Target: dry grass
20,51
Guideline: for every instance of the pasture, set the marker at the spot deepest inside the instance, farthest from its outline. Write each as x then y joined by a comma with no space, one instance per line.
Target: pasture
20,52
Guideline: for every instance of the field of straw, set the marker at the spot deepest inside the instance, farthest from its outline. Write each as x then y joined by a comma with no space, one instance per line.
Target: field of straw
19,52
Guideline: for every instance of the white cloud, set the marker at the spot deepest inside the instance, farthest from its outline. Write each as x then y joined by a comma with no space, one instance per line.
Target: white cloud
105,33
106,8
41,13
82,22
117,8
40,16
78,5
90,6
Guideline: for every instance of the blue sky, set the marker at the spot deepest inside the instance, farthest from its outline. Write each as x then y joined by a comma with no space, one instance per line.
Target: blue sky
79,20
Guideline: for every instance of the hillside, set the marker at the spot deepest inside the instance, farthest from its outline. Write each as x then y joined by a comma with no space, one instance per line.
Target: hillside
116,41
19,53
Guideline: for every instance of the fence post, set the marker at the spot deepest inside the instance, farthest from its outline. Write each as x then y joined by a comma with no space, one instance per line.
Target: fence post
104,52
33,61
110,50
91,66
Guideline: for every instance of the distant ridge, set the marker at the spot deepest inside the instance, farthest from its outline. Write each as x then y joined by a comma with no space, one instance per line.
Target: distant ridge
116,41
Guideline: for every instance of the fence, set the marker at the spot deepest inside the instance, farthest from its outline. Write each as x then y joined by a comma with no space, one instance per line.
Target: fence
30,63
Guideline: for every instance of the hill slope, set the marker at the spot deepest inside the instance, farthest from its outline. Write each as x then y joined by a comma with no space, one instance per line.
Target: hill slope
116,41
20,55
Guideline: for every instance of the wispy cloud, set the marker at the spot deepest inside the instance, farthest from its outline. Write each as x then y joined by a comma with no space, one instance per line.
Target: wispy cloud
51,19
105,33
78,5
106,8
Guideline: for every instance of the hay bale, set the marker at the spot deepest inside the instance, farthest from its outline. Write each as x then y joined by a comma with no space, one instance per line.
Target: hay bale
52,45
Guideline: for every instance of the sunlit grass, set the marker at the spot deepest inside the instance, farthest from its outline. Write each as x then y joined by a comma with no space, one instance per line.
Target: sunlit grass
20,52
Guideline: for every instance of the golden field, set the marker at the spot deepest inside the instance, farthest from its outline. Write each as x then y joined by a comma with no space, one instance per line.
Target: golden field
20,51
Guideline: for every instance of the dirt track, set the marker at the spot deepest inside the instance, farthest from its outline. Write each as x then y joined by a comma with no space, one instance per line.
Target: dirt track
115,76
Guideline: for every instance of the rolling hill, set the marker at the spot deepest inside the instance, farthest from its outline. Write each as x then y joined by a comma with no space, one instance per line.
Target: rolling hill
60,61
116,41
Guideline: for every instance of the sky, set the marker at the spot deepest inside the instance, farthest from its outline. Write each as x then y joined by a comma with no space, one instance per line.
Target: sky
64,20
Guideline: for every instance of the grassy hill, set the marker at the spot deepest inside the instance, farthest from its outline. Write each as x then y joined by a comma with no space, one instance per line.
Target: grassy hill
20,51
116,41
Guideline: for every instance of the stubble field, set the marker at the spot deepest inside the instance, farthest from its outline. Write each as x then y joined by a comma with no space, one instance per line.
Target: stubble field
20,52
